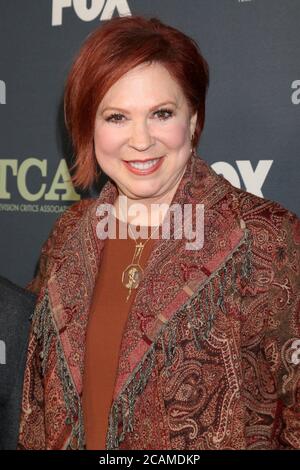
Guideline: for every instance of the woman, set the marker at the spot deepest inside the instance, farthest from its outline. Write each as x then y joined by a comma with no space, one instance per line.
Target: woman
145,344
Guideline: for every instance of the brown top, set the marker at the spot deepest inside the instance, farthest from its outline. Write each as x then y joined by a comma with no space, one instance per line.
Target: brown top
107,318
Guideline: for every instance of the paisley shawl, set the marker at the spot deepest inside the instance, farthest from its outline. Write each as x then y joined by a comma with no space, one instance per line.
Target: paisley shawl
210,354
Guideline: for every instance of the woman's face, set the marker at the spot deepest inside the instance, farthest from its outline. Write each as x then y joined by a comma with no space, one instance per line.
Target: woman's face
144,116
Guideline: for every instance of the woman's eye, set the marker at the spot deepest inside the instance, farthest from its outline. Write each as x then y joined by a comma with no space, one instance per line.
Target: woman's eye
164,114
113,117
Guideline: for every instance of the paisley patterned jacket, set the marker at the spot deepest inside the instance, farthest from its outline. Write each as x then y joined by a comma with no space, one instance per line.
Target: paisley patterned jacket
210,355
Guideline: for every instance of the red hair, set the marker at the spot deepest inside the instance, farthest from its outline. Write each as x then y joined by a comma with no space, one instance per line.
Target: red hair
109,52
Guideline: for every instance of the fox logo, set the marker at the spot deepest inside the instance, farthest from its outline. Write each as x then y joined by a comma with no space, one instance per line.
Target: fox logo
104,9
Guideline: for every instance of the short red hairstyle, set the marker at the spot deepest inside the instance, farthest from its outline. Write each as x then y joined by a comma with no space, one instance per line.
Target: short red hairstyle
109,52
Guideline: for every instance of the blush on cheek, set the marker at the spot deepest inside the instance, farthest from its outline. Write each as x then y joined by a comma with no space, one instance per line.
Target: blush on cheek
177,135
107,141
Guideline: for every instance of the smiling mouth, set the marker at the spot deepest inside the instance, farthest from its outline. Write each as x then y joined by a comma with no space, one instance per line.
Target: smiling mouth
144,167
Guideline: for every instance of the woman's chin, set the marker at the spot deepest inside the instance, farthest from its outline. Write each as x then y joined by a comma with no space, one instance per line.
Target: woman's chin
141,193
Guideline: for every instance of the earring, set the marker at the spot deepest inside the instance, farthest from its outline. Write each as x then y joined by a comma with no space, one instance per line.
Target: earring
192,148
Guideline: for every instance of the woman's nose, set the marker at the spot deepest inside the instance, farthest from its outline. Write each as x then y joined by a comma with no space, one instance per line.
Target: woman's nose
140,137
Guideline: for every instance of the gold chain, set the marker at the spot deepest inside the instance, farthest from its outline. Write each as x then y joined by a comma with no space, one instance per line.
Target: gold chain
133,274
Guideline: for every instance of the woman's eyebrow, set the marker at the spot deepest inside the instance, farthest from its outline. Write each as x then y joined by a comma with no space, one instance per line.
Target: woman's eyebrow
151,109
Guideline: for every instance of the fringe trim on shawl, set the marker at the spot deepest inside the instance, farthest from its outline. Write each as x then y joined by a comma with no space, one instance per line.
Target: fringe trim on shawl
45,330
201,311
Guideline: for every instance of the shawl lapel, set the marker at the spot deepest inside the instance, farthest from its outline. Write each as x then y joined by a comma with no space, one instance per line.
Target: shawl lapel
176,282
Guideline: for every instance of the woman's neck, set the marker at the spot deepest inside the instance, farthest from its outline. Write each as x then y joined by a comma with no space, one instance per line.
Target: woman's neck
152,213
148,216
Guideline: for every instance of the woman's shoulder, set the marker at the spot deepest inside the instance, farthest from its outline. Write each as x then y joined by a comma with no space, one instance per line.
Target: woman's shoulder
74,213
275,235
266,217
70,218
62,228
67,222
258,212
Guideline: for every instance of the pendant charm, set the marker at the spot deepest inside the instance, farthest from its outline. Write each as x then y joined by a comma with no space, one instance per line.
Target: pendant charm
131,277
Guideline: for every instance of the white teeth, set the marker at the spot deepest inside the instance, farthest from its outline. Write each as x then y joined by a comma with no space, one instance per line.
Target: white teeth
145,165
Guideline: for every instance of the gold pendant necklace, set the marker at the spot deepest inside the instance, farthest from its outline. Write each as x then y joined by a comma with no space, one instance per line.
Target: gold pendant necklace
134,273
